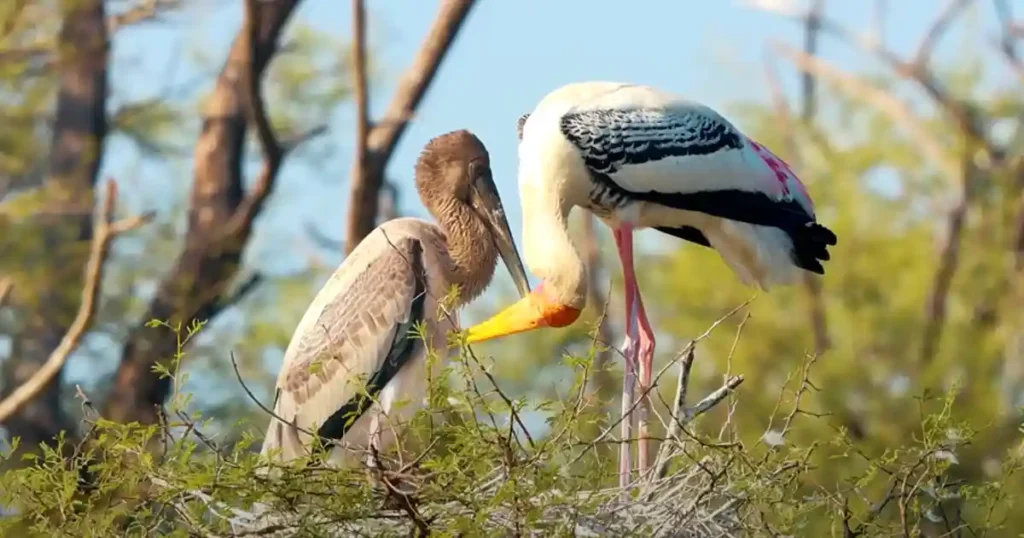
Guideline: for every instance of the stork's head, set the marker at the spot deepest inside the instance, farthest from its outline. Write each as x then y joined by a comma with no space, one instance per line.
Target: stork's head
547,190
453,174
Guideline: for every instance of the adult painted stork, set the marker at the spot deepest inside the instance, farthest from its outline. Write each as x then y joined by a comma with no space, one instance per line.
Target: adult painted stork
354,340
639,157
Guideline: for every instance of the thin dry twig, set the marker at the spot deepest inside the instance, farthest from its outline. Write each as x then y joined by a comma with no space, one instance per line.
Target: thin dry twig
5,289
105,230
143,11
896,110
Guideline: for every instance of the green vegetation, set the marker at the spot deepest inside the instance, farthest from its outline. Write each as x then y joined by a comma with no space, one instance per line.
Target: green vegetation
881,400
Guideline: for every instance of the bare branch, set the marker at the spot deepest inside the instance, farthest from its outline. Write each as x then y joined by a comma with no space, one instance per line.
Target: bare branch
273,153
816,309
384,136
949,260
1007,43
897,111
5,289
937,29
360,95
105,231
969,118
143,11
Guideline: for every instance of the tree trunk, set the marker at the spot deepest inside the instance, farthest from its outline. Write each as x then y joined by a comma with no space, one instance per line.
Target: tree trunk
65,224
197,287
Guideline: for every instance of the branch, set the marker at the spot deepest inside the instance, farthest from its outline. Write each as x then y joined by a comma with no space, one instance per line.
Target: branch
682,415
1007,43
105,231
273,151
143,11
969,118
360,166
897,111
5,289
818,319
949,260
384,136
937,29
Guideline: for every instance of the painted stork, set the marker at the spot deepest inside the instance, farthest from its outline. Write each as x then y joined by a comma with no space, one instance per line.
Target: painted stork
354,340
639,157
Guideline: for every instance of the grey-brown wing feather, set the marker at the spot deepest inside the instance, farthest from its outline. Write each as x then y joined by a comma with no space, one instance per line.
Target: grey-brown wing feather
332,360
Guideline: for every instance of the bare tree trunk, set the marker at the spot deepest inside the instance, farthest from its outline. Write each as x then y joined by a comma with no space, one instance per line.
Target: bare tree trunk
79,131
219,223
381,138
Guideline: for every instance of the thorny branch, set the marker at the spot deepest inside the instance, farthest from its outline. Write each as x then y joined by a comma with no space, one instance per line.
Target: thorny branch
106,229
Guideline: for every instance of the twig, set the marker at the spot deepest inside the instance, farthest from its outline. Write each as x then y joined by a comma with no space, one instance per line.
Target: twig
1007,44
937,29
5,289
601,379
143,11
238,376
104,233
384,136
681,415
657,377
968,116
898,112
818,319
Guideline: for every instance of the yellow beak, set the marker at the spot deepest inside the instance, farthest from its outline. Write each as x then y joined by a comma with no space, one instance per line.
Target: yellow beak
531,312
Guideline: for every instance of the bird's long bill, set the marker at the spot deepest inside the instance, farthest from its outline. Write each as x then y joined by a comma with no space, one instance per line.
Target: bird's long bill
489,205
531,312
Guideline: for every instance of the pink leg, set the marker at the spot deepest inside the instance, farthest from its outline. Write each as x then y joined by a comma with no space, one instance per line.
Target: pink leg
622,241
644,356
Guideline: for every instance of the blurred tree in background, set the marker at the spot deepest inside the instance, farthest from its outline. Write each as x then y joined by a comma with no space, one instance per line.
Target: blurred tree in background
918,167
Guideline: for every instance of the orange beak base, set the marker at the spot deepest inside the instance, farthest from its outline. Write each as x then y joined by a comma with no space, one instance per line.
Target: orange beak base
531,312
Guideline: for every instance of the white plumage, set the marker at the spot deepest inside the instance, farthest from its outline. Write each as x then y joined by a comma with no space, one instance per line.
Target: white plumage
636,154
639,157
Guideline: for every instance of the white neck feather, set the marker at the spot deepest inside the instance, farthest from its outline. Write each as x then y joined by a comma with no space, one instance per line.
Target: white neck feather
547,248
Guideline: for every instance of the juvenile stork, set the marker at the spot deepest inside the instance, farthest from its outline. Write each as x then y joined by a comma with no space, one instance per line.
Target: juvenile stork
352,357
639,157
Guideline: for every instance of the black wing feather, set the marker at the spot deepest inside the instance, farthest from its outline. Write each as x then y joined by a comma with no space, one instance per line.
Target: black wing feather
610,139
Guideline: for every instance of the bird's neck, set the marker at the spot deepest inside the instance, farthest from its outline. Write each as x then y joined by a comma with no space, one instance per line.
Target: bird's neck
547,248
472,255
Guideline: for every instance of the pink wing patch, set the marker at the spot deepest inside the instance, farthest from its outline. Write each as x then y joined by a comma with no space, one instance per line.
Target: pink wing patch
783,173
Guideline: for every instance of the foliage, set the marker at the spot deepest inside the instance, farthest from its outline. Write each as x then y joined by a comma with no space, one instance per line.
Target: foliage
471,468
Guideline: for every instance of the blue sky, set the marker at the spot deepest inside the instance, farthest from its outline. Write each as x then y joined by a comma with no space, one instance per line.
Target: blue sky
509,54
